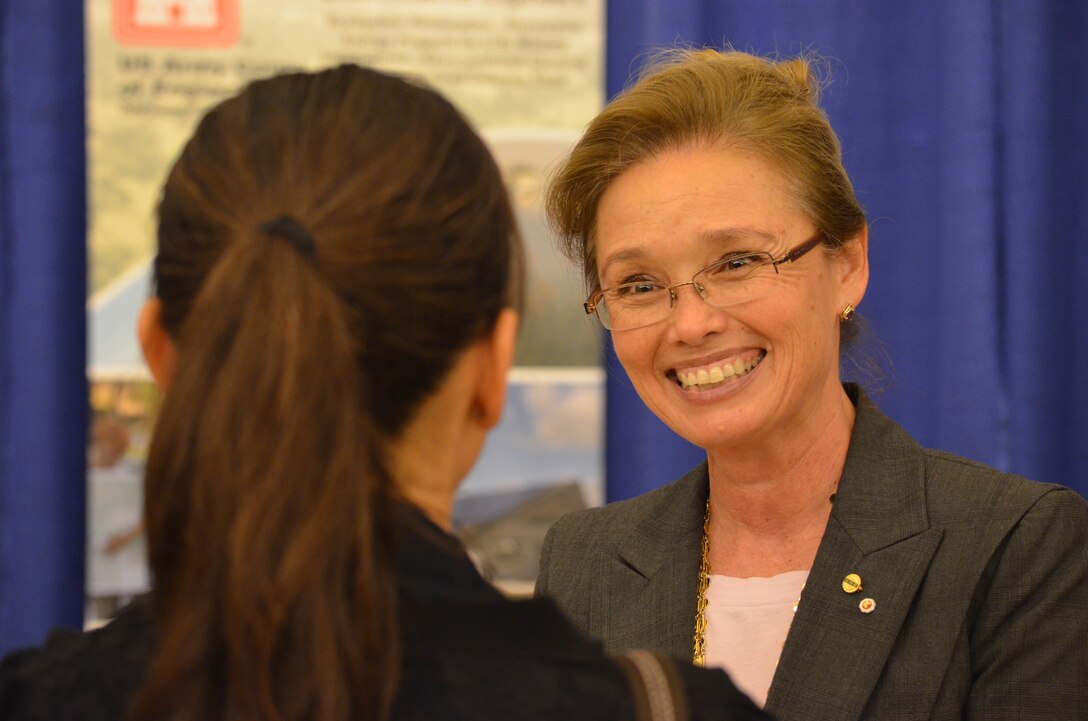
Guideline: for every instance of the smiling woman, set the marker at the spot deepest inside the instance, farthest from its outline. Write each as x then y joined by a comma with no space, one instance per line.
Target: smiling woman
725,250
777,331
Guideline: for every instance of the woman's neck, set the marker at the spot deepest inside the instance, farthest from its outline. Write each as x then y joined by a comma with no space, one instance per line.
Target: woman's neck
435,451
425,477
769,504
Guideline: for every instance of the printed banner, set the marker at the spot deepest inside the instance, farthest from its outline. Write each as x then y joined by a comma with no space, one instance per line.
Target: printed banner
528,74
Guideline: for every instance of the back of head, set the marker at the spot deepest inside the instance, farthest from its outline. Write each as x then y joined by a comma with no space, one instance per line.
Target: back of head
693,97
328,243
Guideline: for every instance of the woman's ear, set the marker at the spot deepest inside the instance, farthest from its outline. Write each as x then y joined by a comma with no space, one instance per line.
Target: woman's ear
155,342
853,260
497,357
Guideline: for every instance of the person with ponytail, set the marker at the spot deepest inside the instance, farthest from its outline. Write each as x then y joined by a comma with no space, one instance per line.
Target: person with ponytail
336,300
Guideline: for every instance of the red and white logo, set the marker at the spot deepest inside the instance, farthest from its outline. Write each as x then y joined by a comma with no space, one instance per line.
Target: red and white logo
177,23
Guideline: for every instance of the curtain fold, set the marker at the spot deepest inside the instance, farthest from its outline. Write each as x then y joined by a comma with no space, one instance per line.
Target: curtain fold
43,393
1043,71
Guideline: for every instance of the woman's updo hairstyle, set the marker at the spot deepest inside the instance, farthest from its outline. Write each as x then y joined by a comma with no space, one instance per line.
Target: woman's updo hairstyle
726,99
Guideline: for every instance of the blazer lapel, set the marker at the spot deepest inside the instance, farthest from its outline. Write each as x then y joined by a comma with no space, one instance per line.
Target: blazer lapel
650,581
836,651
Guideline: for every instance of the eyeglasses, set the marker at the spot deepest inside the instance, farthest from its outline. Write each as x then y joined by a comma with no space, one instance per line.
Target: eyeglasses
731,280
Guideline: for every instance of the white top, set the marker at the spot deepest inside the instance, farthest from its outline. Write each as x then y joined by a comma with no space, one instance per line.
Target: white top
747,622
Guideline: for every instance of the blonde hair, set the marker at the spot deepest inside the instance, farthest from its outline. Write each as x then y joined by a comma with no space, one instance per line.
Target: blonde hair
721,98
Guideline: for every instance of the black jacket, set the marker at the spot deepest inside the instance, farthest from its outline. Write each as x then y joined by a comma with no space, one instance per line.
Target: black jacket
469,653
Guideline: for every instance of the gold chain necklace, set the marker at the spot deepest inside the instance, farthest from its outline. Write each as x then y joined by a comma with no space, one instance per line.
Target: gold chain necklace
698,646
699,642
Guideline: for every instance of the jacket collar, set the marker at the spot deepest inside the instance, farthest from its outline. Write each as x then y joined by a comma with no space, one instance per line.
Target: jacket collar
881,495
880,498
878,529
672,523
648,578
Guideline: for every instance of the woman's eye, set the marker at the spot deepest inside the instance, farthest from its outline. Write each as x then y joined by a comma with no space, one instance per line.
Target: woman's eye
638,287
738,263
741,261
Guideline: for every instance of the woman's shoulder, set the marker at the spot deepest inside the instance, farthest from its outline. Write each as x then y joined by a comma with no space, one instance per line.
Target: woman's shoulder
77,675
499,659
983,510
532,689
958,486
955,488
711,694
525,660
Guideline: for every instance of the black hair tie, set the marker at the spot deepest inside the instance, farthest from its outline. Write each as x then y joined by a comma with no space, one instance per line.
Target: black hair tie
287,227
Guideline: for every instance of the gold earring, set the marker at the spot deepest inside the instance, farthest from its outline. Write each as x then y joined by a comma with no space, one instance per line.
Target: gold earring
847,313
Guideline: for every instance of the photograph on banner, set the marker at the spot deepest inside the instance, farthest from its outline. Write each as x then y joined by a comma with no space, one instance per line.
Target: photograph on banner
527,74
122,411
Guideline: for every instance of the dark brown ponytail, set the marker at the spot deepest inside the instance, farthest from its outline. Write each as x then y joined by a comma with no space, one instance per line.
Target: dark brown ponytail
327,244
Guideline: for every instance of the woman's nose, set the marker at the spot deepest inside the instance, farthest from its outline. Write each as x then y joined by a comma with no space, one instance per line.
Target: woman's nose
692,318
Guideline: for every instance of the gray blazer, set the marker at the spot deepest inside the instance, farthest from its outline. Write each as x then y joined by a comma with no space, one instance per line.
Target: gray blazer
980,580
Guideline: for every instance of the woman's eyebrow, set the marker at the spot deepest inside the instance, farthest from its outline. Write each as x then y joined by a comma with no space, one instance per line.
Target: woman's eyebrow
619,257
735,235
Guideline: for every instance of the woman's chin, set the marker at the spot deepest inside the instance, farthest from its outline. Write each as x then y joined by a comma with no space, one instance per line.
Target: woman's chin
723,414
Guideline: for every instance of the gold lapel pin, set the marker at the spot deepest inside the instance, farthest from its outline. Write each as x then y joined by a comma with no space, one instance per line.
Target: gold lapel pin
852,583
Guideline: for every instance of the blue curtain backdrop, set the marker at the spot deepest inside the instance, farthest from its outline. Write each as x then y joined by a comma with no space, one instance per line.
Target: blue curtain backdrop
964,126
43,395
964,130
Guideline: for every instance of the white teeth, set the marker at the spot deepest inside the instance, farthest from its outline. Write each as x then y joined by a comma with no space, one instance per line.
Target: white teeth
717,374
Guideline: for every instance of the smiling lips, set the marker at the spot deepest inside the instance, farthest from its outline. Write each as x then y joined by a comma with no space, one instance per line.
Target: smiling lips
709,377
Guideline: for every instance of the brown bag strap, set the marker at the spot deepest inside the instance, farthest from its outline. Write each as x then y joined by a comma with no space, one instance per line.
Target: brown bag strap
655,686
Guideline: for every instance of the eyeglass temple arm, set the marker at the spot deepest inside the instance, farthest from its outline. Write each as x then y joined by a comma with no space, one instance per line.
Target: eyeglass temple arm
800,250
